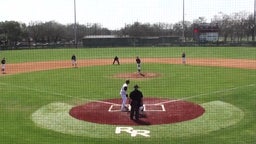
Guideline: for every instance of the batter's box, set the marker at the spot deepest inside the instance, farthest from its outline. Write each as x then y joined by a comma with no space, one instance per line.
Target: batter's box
147,107
154,107
114,108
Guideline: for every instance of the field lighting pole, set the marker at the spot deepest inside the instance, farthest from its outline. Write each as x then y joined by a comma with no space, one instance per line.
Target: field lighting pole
254,20
75,27
183,23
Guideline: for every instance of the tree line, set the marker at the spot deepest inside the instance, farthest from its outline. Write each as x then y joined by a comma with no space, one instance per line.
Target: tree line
236,27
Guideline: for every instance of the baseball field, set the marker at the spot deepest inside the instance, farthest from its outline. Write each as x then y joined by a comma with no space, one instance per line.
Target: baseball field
210,99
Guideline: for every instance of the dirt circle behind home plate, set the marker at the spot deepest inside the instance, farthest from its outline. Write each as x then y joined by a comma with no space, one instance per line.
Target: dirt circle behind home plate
157,111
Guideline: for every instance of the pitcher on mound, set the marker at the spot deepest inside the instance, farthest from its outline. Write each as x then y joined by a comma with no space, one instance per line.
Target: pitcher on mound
138,61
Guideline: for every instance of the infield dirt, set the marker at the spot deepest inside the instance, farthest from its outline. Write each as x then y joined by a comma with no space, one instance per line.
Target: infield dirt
40,66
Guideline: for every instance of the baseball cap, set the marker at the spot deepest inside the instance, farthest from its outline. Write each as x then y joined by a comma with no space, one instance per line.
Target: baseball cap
136,86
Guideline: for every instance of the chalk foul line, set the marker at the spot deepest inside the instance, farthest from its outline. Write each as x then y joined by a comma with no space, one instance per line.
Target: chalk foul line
215,92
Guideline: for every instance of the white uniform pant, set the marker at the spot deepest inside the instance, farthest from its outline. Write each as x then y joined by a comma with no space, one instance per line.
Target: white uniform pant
73,63
138,67
183,60
124,99
3,67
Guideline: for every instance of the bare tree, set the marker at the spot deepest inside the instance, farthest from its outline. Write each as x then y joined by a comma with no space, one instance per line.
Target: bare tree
200,20
235,27
35,31
249,27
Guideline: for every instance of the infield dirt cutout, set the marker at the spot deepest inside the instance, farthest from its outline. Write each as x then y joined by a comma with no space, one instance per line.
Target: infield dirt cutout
156,111
49,65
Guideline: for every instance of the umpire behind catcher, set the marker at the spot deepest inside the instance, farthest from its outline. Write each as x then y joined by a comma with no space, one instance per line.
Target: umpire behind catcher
136,101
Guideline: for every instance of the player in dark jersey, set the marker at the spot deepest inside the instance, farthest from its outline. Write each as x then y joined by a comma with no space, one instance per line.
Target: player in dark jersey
116,59
138,61
136,102
3,62
183,56
73,59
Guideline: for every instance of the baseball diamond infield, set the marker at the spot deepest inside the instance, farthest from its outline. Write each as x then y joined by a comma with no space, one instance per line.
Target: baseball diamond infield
158,111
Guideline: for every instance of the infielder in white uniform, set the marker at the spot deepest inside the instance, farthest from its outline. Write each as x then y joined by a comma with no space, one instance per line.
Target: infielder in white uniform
124,95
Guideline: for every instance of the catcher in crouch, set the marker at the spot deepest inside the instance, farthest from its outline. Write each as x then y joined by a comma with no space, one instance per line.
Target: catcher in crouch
136,103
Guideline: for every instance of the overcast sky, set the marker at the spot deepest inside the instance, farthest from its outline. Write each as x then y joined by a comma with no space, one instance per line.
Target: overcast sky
114,14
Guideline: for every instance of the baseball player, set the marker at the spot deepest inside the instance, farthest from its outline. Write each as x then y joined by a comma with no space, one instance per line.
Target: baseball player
136,102
124,95
116,59
138,61
73,60
183,56
3,62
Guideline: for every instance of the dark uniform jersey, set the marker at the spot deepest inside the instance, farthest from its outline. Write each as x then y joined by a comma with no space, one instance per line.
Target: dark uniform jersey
73,58
183,55
3,61
137,60
136,97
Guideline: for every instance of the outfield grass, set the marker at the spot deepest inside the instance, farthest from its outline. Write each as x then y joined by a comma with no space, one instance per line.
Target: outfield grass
214,88
17,56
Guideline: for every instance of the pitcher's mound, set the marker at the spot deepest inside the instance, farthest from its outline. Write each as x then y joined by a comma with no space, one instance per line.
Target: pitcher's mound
136,75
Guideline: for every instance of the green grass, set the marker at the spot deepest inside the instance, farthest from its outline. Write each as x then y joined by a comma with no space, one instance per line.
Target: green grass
17,56
22,95
211,121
